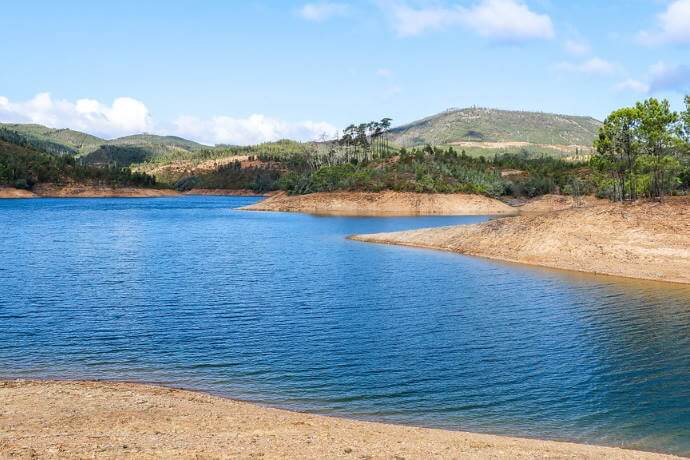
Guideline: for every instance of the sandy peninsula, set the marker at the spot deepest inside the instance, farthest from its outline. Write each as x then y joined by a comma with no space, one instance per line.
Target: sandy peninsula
97,191
384,203
125,420
648,240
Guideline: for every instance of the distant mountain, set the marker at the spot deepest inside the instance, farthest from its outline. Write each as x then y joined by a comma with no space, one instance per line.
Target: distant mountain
162,141
74,140
95,150
139,148
479,125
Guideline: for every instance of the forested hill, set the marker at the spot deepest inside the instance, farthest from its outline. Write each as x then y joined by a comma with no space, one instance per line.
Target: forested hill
93,149
492,125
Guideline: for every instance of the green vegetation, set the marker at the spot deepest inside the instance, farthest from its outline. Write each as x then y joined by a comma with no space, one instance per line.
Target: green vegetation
490,125
23,167
75,141
439,170
643,151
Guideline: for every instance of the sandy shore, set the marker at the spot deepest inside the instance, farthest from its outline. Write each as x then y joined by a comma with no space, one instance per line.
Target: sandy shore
124,420
384,203
93,191
646,240
550,203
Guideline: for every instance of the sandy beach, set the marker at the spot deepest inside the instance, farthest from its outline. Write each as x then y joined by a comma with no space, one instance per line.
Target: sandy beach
384,203
54,419
647,240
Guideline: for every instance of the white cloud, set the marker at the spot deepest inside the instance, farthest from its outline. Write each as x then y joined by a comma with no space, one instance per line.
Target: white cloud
124,116
635,86
127,116
254,129
576,47
593,66
319,12
660,77
673,25
385,73
498,20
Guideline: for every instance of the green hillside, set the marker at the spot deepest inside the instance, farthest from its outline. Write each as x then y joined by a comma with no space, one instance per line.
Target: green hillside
140,148
492,125
75,140
95,150
143,140
23,166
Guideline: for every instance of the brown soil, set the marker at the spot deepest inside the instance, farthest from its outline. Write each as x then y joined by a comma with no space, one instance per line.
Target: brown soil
384,203
549,203
11,192
93,191
124,420
647,240
520,144
182,168
221,192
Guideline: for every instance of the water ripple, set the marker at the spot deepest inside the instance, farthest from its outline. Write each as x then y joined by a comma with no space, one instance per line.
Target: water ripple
281,309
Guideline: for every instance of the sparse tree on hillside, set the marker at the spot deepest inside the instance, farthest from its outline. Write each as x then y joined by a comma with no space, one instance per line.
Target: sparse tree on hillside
617,149
640,148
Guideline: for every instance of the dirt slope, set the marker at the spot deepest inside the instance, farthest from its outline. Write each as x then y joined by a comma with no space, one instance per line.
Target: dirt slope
647,240
384,203
124,420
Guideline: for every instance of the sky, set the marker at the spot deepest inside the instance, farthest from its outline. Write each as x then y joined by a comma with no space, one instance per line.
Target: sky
241,72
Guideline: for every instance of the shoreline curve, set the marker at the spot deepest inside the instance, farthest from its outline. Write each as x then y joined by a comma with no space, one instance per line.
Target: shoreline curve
119,419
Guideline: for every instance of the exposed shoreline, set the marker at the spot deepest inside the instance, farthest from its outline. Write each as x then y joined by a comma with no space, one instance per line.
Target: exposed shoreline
95,191
384,203
646,240
116,419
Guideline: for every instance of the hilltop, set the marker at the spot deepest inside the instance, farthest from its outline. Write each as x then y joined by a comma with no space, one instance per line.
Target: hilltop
123,150
488,128
75,140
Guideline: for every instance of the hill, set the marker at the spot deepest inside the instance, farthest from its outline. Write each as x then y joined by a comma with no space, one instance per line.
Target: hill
140,148
23,166
495,129
159,141
95,150
74,140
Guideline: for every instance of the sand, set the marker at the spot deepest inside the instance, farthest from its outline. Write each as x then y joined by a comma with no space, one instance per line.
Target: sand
11,192
384,203
95,191
549,203
648,240
125,420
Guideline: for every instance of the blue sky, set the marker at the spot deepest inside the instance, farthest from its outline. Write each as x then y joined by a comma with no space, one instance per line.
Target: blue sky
244,72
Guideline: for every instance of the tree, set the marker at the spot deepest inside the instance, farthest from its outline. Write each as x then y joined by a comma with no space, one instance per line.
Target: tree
617,150
657,124
639,150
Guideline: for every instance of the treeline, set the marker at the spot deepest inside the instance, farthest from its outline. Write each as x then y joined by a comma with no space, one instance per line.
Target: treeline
233,176
444,170
23,167
643,152
26,140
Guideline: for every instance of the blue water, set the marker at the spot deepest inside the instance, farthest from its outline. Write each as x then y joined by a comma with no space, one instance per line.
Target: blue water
283,310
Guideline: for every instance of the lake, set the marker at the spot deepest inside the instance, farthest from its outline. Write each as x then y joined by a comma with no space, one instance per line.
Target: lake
281,309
